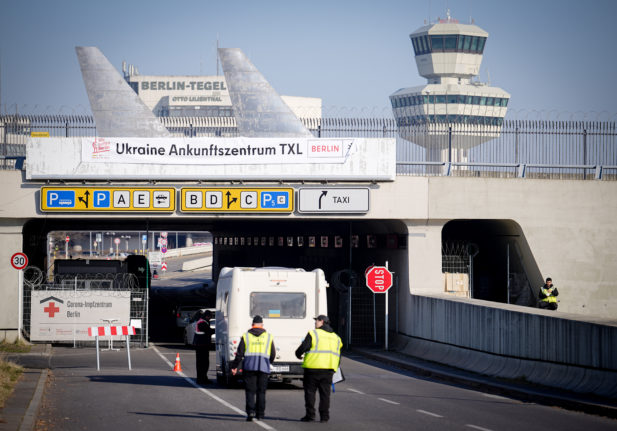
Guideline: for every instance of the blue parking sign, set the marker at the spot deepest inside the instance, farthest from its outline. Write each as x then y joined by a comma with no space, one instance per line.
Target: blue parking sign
101,199
275,199
60,198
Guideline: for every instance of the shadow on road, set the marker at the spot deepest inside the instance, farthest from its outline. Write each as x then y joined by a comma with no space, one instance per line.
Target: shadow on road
171,381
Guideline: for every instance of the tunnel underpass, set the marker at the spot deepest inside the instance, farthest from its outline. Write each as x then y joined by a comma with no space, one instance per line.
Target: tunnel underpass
497,257
343,249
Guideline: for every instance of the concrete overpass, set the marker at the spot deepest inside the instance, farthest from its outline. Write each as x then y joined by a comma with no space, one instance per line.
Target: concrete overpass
564,229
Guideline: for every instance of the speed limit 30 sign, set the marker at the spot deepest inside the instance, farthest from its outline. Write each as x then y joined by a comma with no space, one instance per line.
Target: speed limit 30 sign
19,261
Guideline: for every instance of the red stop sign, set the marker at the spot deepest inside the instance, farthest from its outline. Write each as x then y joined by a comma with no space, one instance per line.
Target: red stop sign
378,279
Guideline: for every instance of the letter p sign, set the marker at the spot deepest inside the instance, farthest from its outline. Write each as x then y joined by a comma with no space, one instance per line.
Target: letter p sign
101,199
278,200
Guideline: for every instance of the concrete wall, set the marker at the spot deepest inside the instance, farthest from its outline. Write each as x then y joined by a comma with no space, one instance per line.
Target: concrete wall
544,347
568,225
11,239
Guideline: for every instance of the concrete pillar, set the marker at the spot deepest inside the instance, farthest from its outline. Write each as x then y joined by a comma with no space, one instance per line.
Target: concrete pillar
11,238
424,247
424,266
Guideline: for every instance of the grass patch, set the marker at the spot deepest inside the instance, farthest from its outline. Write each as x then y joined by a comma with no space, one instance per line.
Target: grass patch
16,347
9,374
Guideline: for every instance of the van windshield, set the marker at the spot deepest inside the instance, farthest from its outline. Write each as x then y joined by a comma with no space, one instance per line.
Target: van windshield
278,305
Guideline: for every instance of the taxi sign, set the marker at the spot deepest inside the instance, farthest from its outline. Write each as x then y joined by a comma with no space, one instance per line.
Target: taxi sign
213,199
108,199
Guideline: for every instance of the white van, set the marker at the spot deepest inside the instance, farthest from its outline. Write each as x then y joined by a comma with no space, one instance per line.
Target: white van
287,298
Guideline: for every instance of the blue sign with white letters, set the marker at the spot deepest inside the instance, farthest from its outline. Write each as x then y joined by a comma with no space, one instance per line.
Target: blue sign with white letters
60,198
101,199
274,199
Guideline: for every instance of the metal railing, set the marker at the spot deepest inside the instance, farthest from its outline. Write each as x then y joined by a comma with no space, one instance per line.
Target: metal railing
562,149
36,280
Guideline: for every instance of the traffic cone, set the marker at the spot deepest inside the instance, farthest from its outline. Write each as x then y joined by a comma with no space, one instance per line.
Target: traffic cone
177,367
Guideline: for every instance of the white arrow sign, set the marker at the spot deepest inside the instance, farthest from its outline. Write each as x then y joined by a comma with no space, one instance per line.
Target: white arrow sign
333,200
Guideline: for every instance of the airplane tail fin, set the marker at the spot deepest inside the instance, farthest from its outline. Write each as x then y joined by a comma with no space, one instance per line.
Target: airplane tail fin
117,109
257,107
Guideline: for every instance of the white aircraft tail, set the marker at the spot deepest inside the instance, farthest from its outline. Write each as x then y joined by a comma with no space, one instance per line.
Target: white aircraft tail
117,109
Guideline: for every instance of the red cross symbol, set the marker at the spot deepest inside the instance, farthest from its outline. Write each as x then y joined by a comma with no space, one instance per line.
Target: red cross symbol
51,309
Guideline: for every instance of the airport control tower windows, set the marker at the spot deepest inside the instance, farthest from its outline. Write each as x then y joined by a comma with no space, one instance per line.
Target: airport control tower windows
437,43
417,120
448,43
451,99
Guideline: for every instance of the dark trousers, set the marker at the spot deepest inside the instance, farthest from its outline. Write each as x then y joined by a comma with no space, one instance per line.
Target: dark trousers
255,384
202,359
315,380
548,305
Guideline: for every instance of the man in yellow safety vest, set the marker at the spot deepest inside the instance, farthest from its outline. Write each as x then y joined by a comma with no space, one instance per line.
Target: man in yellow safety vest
322,355
548,295
257,349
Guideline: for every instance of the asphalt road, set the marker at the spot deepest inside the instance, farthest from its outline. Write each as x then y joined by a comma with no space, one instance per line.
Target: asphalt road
175,287
374,396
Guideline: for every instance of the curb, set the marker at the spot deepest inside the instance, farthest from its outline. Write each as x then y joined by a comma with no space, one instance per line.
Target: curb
491,386
29,420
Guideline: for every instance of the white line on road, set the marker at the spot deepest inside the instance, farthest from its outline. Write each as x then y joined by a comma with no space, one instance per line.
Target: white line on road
210,394
388,401
497,397
356,391
478,428
435,415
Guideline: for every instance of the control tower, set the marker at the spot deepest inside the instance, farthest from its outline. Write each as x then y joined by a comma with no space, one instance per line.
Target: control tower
448,54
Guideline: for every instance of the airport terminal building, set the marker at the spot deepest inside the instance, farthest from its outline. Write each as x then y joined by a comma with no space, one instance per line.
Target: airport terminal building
199,96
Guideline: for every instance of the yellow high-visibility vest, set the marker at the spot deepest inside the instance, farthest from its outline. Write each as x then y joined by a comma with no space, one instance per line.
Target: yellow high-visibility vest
549,295
257,352
325,353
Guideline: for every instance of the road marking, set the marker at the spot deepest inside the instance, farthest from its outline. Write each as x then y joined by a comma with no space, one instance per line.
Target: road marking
356,391
210,394
435,415
497,397
388,401
478,428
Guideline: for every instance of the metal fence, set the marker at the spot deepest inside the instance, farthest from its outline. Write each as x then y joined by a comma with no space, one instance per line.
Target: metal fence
568,149
36,280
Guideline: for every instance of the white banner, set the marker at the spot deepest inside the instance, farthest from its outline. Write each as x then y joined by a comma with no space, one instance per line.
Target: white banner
215,151
63,315
108,159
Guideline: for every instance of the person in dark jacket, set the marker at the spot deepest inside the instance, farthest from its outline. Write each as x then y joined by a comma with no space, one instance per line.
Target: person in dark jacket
257,350
548,295
201,341
322,355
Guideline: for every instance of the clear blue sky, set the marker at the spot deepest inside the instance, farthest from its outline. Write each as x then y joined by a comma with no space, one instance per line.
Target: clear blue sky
550,55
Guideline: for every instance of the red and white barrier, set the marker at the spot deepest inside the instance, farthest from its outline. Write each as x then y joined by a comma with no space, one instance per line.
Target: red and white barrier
102,331
109,331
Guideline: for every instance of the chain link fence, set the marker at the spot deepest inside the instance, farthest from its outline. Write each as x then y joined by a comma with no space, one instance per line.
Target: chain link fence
520,147
99,286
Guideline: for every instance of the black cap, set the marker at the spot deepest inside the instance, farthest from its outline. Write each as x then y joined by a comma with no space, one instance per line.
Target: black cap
258,319
549,279
323,318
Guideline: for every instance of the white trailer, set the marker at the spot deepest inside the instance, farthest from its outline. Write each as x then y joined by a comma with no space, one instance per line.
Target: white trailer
287,298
